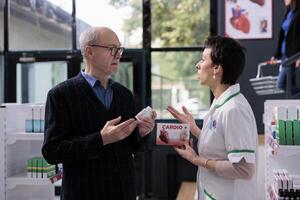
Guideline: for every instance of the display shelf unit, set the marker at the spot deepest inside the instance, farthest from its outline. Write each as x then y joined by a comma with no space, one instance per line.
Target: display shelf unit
22,179
11,138
16,147
278,156
288,151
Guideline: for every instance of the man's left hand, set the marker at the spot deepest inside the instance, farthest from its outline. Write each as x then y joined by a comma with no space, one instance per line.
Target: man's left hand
146,125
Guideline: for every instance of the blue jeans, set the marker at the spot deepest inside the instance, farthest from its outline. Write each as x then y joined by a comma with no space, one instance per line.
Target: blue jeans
281,82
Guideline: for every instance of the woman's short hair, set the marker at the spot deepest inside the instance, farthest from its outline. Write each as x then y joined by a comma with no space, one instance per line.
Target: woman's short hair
228,53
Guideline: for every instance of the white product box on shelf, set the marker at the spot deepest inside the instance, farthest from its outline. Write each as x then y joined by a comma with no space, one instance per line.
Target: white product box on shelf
16,115
281,113
292,113
36,118
42,117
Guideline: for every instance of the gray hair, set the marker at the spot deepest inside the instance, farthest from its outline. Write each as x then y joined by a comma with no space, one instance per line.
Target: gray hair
88,37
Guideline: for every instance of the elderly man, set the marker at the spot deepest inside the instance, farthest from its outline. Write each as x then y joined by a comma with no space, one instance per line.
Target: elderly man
89,125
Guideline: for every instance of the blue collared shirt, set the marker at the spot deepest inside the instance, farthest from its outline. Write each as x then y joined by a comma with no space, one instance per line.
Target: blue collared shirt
104,95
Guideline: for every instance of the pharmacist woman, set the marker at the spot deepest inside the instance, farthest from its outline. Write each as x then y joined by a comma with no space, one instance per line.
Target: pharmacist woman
227,143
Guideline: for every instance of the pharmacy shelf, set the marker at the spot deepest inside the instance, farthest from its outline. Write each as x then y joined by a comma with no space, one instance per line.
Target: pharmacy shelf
13,137
22,179
16,148
282,150
287,150
278,156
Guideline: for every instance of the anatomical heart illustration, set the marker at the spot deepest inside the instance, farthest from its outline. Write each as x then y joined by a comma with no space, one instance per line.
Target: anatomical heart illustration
164,136
259,2
248,19
239,19
242,23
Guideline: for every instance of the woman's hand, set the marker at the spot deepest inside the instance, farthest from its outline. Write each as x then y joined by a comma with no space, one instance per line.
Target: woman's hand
273,60
187,152
185,117
298,63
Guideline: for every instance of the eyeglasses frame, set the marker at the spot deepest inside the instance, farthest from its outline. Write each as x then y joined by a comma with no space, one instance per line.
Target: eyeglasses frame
119,50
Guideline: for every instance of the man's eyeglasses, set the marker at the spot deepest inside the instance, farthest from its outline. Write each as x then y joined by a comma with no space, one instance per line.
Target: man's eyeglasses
113,50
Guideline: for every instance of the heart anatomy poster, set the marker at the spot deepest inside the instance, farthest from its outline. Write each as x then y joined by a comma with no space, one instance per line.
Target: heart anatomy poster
248,19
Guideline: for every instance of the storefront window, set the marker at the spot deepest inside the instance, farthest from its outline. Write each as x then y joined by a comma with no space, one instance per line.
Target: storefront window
40,25
174,82
179,23
123,17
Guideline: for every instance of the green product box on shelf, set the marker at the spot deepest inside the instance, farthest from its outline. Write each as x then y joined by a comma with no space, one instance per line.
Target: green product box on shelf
50,174
40,167
37,167
289,132
296,124
47,169
34,167
281,132
29,168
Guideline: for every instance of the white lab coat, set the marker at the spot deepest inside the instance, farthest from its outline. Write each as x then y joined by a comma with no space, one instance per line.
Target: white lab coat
229,133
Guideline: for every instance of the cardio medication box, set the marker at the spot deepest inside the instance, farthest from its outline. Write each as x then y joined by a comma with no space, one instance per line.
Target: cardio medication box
172,134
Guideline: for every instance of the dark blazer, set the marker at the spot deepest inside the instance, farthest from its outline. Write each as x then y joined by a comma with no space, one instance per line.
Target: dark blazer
292,38
74,118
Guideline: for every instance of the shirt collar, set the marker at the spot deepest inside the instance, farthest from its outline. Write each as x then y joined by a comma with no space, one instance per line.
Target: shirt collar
92,80
231,92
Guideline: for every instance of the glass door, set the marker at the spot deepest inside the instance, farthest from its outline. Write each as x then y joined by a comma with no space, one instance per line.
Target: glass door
34,80
30,76
125,75
132,74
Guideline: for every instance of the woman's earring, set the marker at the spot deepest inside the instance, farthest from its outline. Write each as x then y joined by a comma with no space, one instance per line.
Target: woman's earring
214,75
